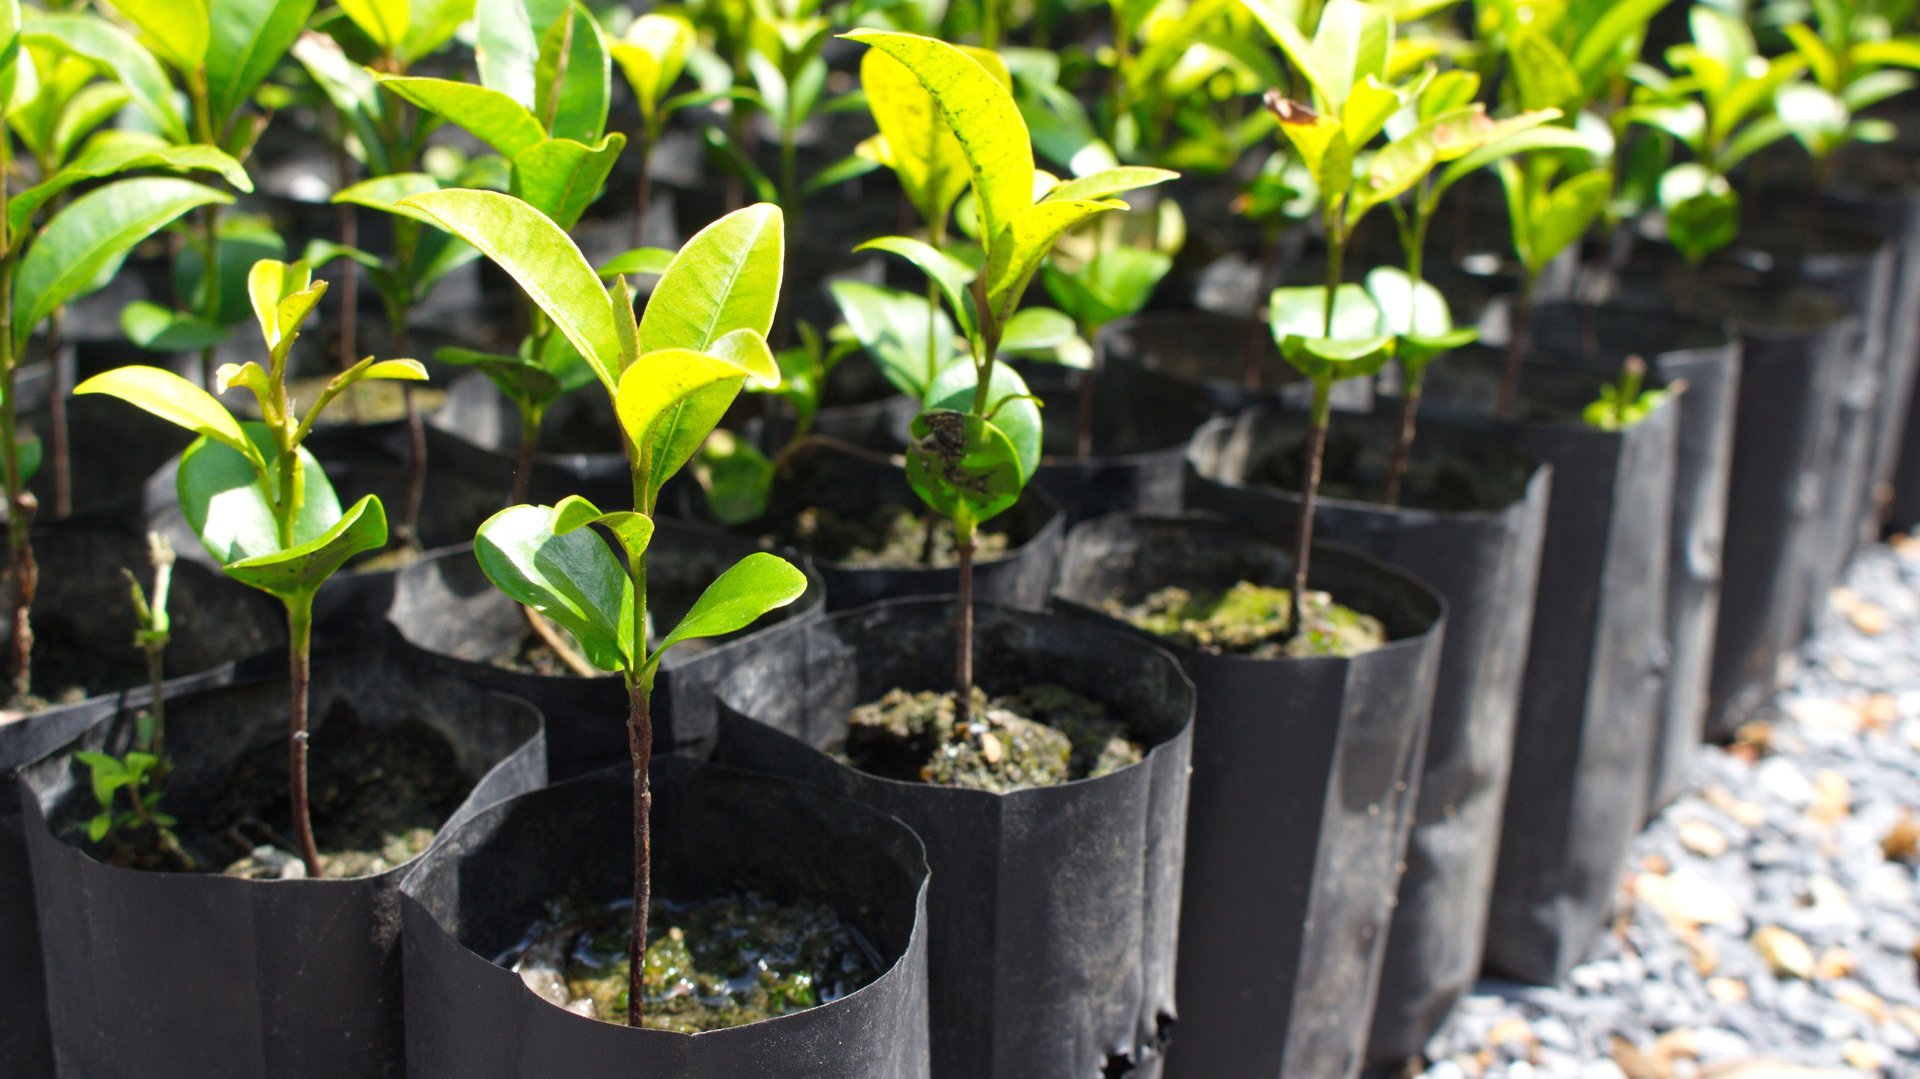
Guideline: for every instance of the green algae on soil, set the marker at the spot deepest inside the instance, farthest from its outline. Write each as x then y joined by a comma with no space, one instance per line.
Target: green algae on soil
1252,620
1042,736
892,536
711,964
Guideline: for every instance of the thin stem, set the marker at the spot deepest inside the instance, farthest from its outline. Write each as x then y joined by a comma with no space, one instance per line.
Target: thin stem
990,23
640,746
210,282
157,702
20,501
1403,437
1083,400
1509,398
1310,491
530,419
963,542
299,674
644,199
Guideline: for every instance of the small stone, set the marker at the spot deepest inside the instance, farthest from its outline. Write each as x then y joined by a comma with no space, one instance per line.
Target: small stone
1680,1044
1702,838
1832,797
1728,990
1902,841
1784,783
1746,813
1512,1032
1869,618
1863,1055
1825,713
1862,1001
1706,958
990,748
1879,712
1835,963
1786,954
1637,1063
1909,1017
1687,900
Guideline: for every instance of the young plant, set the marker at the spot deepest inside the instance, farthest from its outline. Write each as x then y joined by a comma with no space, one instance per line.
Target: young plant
255,496
977,441
1624,402
1720,107
652,54
46,264
670,377
219,52
141,834
1856,55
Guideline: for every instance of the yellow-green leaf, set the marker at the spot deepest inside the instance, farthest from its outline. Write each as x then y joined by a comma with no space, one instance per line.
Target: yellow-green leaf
173,399
385,21
726,278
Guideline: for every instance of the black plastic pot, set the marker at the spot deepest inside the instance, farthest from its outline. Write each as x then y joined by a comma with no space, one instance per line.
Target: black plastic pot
715,831
1053,910
1483,558
445,609
1774,502
1139,428
831,479
186,974
477,434
1303,774
1214,353
1679,350
1596,665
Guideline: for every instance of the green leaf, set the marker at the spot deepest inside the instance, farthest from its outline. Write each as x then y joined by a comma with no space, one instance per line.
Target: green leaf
737,478
951,276
76,249
892,327
300,570
915,141
561,178
101,824
1279,20
747,350
117,54
29,454
1027,241
488,115
573,579
1544,75
756,584
1302,312
641,261
1702,210
176,30
1108,183
963,467
388,192
157,329
652,54
1568,213
1895,52
112,153
1601,42
1322,145
727,277
668,401
249,39
981,113
505,49
386,22
1325,359
1351,42
283,295
573,79
1009,405
229,504
431,24
542,259
633,530
1532,140
1406,307
1037,329
173,399
1115,283
521,382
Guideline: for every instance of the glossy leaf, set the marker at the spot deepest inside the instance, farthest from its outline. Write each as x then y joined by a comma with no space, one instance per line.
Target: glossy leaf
431,23
1545,77
1702,210
171,398
1028,240
980,112
916,141
561,178
632,530
963,467
283,295
386,22
488,115
229,504
83,241
1009,406
157,329
652,54
668,402
1110,182
727,277
113,153
302,569
573,579
639,262
120,56
387,192
1302,312
176,30
505,48
756,584
248,41
542,259
951,276
573,77
892,327
1115,283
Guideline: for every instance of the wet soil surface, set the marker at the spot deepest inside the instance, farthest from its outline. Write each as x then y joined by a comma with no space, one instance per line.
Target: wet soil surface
378,795
891,537
1042,736
710,964
1252,620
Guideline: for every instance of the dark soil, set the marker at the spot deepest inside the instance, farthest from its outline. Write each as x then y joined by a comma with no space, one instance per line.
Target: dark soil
377,796
892,536
1252,620
1355,470
709,965
1042,736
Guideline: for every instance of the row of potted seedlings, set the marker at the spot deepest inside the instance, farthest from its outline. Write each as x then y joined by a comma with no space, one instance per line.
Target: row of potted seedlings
1358,622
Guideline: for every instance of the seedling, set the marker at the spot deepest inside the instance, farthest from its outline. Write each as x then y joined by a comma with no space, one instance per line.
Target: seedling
45,265
652,54
1855,57
1625,402
977,441
141,833
258,500
670,377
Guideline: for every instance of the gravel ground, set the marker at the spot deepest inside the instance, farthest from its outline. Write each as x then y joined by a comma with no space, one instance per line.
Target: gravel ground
1769,924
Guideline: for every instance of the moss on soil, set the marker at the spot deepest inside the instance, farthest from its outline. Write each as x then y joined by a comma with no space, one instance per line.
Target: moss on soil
1252,620
709,965
1042,736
